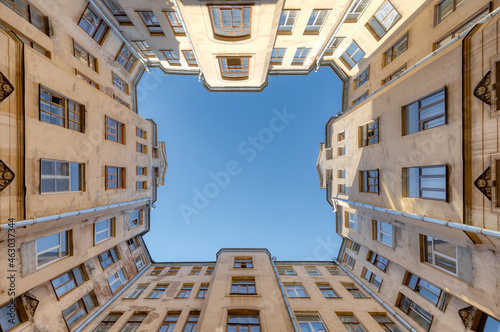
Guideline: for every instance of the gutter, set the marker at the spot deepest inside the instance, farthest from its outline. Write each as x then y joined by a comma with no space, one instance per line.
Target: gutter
334,34
450,224
115,29
430,55
181,19
28,222
109,302
400,319
283,293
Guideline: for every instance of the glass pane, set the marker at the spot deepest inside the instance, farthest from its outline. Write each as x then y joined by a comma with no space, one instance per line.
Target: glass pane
445,248
390,20
47,242
78,276
75,171
376,27
89,302
48,256
358,56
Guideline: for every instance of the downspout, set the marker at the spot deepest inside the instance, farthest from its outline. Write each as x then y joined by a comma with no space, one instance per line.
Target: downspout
333,34
283,293
450,224
427,57
108,303
115,29
181,19
28,222
400,319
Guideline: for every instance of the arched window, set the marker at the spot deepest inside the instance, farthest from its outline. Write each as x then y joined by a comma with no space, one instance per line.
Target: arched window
231,21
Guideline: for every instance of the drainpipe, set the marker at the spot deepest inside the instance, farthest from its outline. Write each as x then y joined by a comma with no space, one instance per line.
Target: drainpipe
115,29
400,319
283,293
450,224
334,34
108,303
28,222
432,54
181,19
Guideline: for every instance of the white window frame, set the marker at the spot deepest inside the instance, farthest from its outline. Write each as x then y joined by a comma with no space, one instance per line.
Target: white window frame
437,253
314,270
378,233
117,277
287,270
108,230
287,28
58,246
59,177
140,262
381,23
355,12
316,14
352,223
137,292
293,289
309,320
372,278
138,219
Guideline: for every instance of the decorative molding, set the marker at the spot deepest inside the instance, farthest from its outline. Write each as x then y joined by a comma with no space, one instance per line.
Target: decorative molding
6,87
6,176
484,183
468,315
30,303
483,89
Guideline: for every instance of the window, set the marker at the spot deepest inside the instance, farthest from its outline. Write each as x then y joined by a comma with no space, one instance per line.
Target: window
360,99
115,131
145,49
353,246
341,151
352,55
170,321
488,323
209,271
135,218
68,281
173,271
12,314
341,136
445,7
118,12
157,291
151,22
372,278
120,84
141,148
108,257
116,280
175,23
441,254
52,248
277,56
28,41
333,45
349,260
425,113
29,13
350,322
93,24
83,55
384,19
335,271
141,170
115,177
126,58
195,271
134,322
154,152
341,188
132,244
415,311
464,27
60,111
243,286
185,291
243,322
368,133
362,78
327,291
202,292
141,133
396,50
394,75
427,182
356,10
234,68
382,232
172,57
157,270
141,185
295,290
121,101
190,58
104,230
378,260
300,55
137,292
310,323
341,174
312,271
78,310
191,322
287,21
385,323
423,287
352,221
86,79
286,270
243,262
107,323
368,181
355,292
139,262
316,20
60,176
231,21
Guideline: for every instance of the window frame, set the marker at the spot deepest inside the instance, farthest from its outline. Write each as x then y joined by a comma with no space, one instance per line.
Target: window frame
129,61
293,290
277,57
82,304
108,322
243,286
331,47
102,23
230,71
300,56
109,230
472,20
70,278
356,11
393,55
144,48
454,7
380,23
378,234
373,279
68,245
185,291
419,188
327,290
177,27
354,291
158,291
377,260
141,264
385,323
191,321
170,321
117,278
120,175
202,291
411,305
154,28
286,270
433,262
107,256
230,35
138,219
350,222
245,324
314,29
362,78
118,12
190,58
133,242
287,29
56,177
421,288
366,134
66,109
114,126
421,123
350,321
134,321
243,263
364,178
347,59
308,319
174,59
119,83
91,60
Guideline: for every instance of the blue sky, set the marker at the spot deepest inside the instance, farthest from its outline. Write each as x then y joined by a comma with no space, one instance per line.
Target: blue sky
241,167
